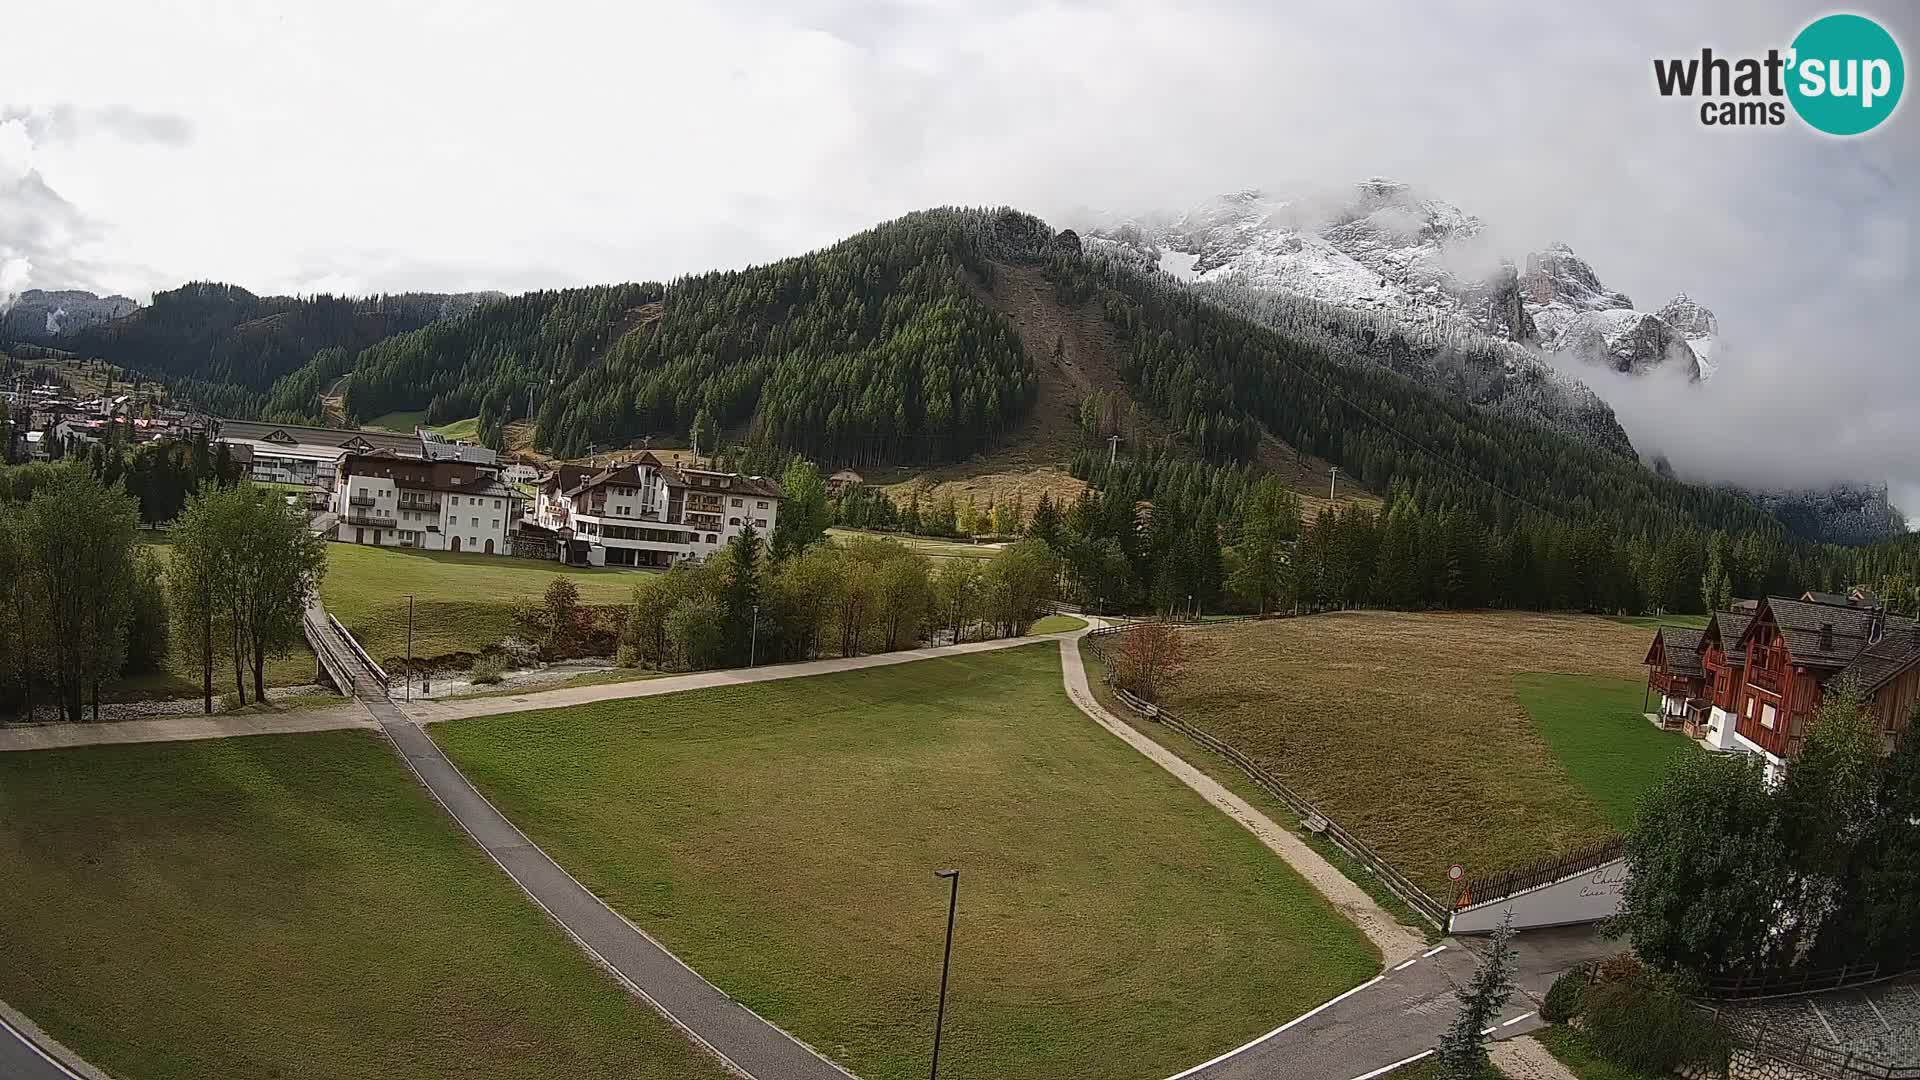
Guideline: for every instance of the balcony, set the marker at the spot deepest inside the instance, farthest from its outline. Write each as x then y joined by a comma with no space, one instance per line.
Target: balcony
421,505
1773,682
377,518
1669,682
361,499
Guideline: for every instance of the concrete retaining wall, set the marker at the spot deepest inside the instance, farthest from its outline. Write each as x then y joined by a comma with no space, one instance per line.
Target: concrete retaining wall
1588,896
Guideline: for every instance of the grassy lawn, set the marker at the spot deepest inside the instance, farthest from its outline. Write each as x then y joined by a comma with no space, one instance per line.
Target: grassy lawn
1654,622
930,546
1572,1049
1595,727
1057,624
1405,728
290,906
467,430
403,422
1233,779
463,603
781,837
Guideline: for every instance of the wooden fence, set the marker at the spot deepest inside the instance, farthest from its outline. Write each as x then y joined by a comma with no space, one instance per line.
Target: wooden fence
1788,982
1310,815
1505,883
1810,1056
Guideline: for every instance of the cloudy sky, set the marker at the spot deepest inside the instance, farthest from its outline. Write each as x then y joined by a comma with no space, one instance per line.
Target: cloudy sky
381,146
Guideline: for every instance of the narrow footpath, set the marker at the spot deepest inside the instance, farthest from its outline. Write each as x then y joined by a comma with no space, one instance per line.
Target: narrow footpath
741,1038
1397,1016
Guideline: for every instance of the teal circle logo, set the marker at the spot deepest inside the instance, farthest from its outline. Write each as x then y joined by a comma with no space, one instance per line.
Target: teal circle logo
1846,74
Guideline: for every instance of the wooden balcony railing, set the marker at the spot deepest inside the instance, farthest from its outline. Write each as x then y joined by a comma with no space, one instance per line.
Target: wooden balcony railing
1767,679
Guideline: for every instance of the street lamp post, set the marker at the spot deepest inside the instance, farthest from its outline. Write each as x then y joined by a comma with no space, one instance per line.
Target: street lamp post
409,648
753,640
946,963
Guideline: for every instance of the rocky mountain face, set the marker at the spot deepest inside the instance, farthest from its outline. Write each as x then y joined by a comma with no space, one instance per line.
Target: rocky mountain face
39,316
1385,247
1844,514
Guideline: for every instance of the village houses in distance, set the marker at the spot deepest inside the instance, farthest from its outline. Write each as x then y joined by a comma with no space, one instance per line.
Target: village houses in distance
422,490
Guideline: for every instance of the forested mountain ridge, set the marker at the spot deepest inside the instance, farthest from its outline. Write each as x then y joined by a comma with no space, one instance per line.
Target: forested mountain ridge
224,347
877,349
898,346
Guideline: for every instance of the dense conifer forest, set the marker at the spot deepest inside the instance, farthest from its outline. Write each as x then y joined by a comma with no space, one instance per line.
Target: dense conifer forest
888,349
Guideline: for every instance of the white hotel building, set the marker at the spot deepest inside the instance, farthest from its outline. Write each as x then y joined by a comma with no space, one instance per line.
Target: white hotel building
645,513
443,503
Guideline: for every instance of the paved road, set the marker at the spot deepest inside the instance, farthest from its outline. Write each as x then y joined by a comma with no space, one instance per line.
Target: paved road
736,1034
183,728
25,1056
431,712
1399,1014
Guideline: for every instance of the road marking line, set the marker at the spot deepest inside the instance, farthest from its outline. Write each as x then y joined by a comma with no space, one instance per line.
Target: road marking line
35,1047
1406,964
1308,1015
1486,1031
1382,1071
1435,951
1516,1019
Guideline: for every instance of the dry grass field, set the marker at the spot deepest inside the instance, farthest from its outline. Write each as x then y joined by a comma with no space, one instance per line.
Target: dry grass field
1405,727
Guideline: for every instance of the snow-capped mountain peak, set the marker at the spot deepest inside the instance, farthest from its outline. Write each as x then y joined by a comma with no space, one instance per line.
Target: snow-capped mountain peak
1382,245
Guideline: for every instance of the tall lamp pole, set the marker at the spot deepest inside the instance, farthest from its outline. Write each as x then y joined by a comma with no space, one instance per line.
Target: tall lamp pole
409,647
753,641
946,963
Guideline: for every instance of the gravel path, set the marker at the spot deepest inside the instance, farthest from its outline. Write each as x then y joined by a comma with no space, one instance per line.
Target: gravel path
1395,941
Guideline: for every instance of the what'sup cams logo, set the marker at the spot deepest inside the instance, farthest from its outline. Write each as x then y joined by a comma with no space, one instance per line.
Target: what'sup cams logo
1843,75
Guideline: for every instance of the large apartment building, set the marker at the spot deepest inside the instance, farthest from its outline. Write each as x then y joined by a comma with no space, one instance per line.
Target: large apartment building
642,512
293,454
447,502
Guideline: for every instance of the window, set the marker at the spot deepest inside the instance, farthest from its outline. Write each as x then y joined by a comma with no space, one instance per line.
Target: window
712,539
1767,716
761,505
453,500
494,524
476,522
496,504
759,523
733,521
738,502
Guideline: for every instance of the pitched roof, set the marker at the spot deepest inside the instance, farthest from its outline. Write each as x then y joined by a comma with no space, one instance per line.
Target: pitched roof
299,434
1829,635
1728,627
1885,660
1679,647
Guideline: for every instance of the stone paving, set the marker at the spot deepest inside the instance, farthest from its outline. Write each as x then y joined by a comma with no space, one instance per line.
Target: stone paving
1879,1022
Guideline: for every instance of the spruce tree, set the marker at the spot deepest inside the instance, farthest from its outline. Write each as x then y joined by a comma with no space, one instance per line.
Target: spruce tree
1463,1050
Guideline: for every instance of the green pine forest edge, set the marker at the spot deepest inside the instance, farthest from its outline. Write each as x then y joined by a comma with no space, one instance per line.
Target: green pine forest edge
884,349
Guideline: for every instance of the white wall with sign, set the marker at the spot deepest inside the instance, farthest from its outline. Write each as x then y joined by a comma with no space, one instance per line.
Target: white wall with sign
1589,896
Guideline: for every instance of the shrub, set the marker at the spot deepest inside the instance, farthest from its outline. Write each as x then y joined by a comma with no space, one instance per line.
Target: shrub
1644,1020
487,670
1563,997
